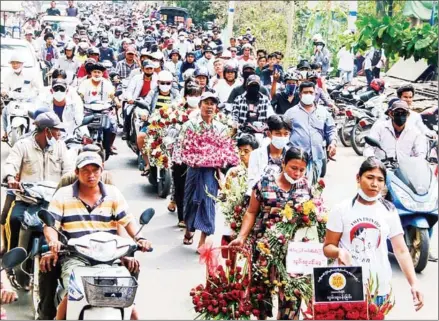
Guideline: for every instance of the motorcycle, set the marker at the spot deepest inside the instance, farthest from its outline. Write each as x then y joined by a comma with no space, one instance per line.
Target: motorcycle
77,141
102,290
413,189
99,127
18,113
256,129
38,195
137,112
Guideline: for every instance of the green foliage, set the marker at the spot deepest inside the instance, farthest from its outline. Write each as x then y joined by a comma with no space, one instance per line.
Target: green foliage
397,37
200,11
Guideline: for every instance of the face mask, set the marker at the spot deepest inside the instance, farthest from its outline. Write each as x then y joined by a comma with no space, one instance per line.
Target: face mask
156,64
165,88
320,47
291,180
400,120
18,70
280,142
51,141
139,38
59,95
290,89
252,92
193,101
105,45
307,99
367,198
246,74
181,38
96,78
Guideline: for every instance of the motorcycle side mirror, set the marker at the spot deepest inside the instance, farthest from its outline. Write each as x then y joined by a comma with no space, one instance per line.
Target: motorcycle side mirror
87,120
146,216
46,217
13,258
372,142
118,93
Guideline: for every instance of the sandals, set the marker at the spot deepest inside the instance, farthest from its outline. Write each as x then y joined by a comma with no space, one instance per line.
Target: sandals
171,207
5,138
188,240
146,172
12,280
181,224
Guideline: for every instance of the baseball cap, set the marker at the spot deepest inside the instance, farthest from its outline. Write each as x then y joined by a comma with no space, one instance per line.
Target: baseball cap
87,158
399,104
207,95
59,82
147,64
48,120
131,49
253,79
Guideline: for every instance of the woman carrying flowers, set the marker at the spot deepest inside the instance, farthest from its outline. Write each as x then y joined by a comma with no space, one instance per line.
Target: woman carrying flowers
191,107
201,180
358,229
272,202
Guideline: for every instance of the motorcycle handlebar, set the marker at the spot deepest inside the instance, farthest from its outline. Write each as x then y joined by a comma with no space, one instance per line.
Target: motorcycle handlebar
46,248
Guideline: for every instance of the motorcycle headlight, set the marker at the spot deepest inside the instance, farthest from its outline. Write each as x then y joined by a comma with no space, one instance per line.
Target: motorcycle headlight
102,251
411,205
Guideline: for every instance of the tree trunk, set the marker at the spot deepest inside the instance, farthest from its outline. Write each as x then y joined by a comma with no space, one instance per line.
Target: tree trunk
380,8
291,15
390,8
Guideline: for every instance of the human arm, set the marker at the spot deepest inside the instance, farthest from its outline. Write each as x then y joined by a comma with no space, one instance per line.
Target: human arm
334,231
405,262
235,110
248,221
375,134
330,134
13,164
276,77
79,108
7,295
420,146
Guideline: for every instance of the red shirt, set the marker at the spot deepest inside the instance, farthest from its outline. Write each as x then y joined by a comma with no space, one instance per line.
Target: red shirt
146,88
83,73
319,82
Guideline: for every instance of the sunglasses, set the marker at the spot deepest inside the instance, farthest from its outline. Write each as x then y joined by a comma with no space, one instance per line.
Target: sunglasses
166,83
59,88
400,113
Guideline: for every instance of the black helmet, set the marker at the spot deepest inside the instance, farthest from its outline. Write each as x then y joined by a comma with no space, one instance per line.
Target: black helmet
174,51
312,75
290,76
303,64
93,51
113,74
97,66
231,68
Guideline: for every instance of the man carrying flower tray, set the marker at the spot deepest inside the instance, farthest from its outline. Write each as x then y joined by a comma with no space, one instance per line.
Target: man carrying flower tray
205,148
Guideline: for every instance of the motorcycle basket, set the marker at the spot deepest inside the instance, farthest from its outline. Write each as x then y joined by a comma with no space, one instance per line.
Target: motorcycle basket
117,292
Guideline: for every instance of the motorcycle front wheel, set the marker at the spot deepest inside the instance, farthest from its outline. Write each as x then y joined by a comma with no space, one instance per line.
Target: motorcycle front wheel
357,138
418,242
164,183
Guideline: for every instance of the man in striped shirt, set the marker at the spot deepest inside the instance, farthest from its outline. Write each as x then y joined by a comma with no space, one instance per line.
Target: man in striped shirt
88,206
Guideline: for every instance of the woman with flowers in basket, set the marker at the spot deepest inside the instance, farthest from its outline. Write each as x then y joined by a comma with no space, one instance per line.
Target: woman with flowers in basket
280,205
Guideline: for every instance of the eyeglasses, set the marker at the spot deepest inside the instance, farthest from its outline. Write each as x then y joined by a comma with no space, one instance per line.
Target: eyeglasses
59,88
166,83
400,113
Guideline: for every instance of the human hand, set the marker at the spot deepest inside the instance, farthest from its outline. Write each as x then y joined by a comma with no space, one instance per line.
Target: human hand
276,76
418,298
344,257
332,150
47,261
131,264
238,242
55,247
8,296
13,183
144,245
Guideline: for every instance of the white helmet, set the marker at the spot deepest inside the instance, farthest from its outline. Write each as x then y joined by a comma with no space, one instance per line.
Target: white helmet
165,75
157,55
16,57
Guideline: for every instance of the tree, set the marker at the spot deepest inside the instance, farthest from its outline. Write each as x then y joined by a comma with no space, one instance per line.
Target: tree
202,11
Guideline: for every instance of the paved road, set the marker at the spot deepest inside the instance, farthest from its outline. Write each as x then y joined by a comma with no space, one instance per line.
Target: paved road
168,273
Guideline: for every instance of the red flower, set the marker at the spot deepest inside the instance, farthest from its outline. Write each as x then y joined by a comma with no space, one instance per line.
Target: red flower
363,315
233,225
340,314
352,315
321,308
373,308
305,219
322,183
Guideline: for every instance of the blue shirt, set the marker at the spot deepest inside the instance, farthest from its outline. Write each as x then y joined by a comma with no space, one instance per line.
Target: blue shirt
59,110
310,130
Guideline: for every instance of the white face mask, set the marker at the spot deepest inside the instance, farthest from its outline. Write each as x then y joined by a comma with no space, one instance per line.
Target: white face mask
139,39
181,38
97,79
105,45
290,179
51,141
193,101
320,47
18,70
279,142
307,99
165,88
367,198
59,95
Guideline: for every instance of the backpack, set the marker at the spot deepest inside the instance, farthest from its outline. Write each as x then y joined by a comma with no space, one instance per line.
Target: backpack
376,57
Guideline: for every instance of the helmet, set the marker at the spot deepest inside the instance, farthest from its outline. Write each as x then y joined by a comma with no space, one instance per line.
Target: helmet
165,75
107,64
174,51
157,55
93,51
16,56
311,75
144,52
290,76
113,74
201,72
249,65
303,64
377,85
188,73
405,87
231,68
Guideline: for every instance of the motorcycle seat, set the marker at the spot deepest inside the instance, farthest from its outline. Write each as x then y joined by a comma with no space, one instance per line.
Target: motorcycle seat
367,95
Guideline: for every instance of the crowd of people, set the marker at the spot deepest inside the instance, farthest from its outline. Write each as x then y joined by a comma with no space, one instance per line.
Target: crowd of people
170,65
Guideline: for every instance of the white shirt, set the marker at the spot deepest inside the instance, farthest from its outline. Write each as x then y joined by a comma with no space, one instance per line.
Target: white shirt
223,89
368,59
70,66
345,60
411,142
365,230
27,80
183,47
103,92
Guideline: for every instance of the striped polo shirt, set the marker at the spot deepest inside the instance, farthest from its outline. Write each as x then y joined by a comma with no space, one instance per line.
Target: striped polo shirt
76,219
163,101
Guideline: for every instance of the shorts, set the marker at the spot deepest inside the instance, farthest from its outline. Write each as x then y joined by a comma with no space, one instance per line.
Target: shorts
67,266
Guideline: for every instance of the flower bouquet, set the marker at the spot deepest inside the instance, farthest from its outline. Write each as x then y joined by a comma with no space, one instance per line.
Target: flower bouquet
370,309
208,148
157,143
226,295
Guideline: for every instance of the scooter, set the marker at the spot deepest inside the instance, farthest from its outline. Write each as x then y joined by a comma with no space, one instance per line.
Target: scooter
77,141
99,128
257,129
413,189
103,290
38,195
18,113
